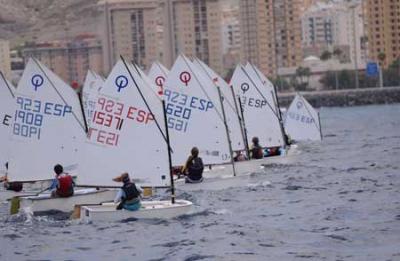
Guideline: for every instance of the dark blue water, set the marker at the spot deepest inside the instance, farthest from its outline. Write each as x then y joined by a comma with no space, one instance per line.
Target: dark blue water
335,200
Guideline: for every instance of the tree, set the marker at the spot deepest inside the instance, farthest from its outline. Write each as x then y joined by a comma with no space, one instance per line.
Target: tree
391,74
302,78
326,55
337,53
381,58
281,83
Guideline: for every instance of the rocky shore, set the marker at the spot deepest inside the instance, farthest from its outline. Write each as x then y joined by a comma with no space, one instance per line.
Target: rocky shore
341,98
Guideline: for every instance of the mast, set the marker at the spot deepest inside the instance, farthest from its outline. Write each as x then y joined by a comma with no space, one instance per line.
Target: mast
241,121
83,112
227,130
320,128
244,129
169,154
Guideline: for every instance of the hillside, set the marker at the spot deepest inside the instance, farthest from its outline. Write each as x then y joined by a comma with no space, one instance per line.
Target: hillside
25,20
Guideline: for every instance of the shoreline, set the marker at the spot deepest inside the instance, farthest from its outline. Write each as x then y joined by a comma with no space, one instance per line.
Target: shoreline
345,98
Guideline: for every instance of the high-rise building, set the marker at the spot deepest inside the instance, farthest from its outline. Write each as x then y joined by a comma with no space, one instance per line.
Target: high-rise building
5,62
133,29
334,26
230,36
71,59
271,33
145,31
383,21
194,29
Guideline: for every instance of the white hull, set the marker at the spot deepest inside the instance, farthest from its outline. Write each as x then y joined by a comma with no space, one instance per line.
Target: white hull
221,176
30,188
45,202
150,209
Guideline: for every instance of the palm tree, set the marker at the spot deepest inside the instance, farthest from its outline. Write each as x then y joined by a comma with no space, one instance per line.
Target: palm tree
302,77
326,55
381,58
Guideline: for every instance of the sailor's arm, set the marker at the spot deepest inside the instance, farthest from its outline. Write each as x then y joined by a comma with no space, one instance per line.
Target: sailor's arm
119,195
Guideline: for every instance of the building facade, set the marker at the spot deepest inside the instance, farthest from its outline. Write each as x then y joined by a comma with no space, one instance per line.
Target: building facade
193,27
330,27
133,29
383,23
231,44
5,61
271,33
145,31
70,60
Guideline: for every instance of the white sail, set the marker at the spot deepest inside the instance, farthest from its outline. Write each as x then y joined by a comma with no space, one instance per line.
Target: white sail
266,90
193,118
266,83
259,116
148,82
48,127
302,121
158,74
7,110
124,136
92,85
231,113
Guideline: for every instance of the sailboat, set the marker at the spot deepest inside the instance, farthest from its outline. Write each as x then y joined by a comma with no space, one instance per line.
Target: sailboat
131,140
7,104
193,118
302,121
234,122
48,129
158,74
259,112
92,85
233,119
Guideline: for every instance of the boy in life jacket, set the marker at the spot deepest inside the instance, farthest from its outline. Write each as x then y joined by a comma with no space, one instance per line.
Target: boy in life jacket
256,151
129,195
63,184
193,168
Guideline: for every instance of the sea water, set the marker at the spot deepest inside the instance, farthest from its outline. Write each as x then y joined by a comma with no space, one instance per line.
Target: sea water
334,200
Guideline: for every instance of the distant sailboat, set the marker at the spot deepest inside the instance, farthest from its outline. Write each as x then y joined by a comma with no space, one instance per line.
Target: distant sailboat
259,113
158,75
302,121
92,85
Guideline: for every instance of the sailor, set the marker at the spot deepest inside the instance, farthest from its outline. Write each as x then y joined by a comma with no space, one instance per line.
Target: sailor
63,184
129,195
14,186
256,151
193,168
273,151
239,156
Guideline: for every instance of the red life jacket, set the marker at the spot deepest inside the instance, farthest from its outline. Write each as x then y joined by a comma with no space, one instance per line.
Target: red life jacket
65,186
